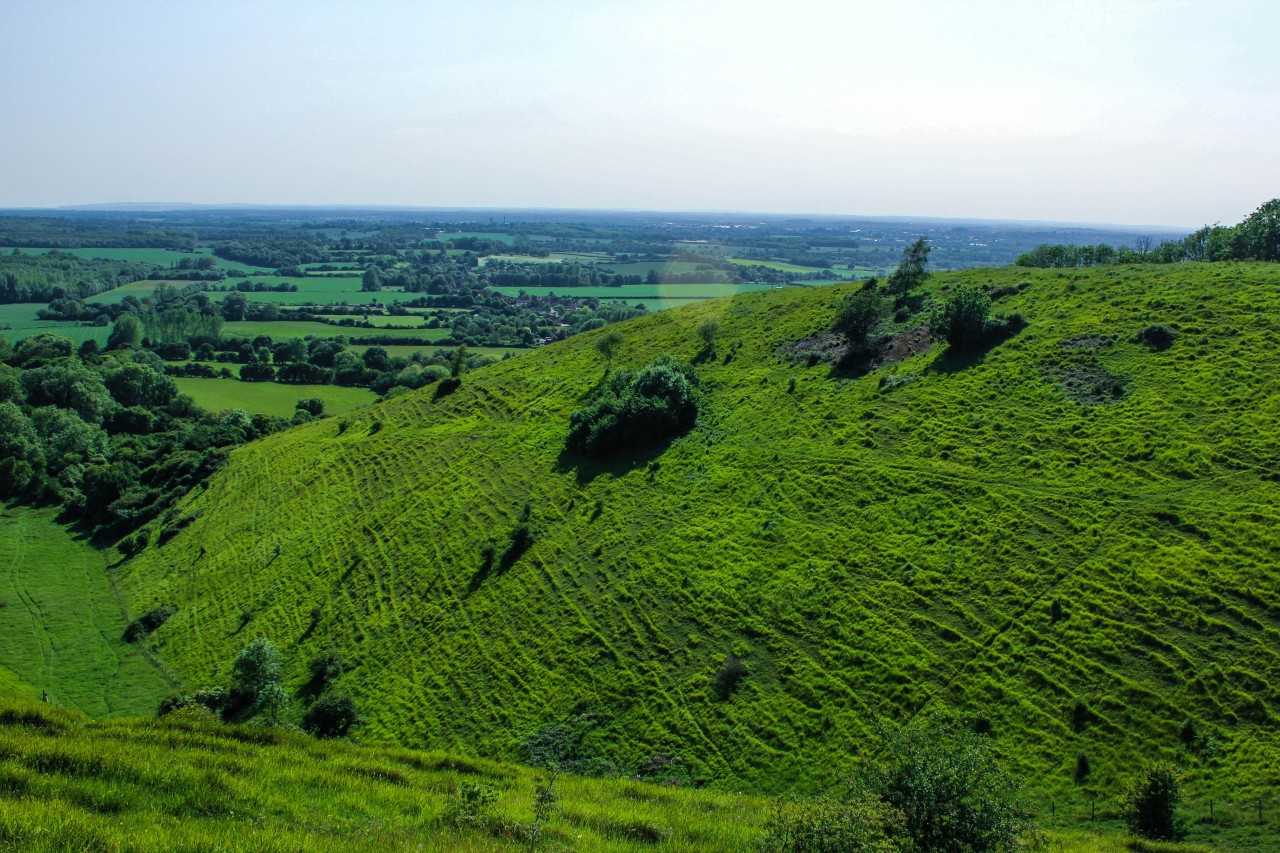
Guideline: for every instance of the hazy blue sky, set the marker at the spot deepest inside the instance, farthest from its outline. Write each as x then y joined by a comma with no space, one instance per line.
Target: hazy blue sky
1135,111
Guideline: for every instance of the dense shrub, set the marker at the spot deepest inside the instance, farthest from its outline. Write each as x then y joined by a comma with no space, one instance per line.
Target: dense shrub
312,405
729,676
944,780
636,408
256,668
257,372
824,825
332,715
1152,803
961,319
324,668
1157,336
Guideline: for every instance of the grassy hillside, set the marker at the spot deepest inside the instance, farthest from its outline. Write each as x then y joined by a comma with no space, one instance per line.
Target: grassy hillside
868,550
182,784
61,622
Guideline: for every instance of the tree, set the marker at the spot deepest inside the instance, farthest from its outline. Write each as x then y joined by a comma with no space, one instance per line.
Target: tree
961,320
1152,803
636,408
708,331
458,362
256,668
126,333
137,385
376,358
911,272
1258,237
234,306
372,281
858,317
944,779
608,345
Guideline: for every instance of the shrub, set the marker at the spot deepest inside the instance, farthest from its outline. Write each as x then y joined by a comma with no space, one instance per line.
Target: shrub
1082,767
1152,803
1157,337
332,715
324,668
636,408
729,676
823,825
148,622
312,405
858,317
257,372
952,794
469,806
961,319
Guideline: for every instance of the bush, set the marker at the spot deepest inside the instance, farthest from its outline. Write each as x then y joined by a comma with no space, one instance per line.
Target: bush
469,806
324,668
831,826
961,320
257,372
708,331
1157,337
312,405
729,676
148,622
857,318
636,408
1152,803
332,715
944,779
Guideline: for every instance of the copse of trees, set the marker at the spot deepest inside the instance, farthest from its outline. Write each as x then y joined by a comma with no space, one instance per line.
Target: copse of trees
57,275
635,409
1257,238
857,318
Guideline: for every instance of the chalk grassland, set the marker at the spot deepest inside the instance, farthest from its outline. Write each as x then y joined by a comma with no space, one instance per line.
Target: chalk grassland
868,551
186,783
67,783
61,622
270,398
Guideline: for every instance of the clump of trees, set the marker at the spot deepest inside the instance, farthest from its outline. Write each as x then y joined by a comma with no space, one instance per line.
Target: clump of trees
109,438
1257,238
636,408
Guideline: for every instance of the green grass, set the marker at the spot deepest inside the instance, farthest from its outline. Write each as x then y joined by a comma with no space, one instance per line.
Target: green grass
868,552
781,266
281,330
645,291
67,783
61,622
385,321
18,321
269,398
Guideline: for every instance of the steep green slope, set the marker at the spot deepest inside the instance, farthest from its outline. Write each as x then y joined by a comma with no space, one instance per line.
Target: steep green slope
61,625
188,784
868,552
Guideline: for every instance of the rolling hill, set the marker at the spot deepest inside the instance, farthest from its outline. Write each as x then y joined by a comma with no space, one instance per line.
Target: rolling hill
1071,539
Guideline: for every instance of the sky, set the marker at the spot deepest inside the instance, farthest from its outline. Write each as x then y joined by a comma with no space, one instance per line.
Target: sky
1152,112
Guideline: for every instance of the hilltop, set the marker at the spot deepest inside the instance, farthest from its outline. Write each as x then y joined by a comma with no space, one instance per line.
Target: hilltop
1069,539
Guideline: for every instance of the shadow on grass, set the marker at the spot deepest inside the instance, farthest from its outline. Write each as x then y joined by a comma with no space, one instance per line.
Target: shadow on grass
953,360
617,464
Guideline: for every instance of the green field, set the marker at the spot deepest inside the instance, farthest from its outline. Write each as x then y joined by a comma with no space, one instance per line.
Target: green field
61,621
269,398
868,551
781,266
18,320
384,321
644,291
405,351
644,267
494,236
281,330
322,290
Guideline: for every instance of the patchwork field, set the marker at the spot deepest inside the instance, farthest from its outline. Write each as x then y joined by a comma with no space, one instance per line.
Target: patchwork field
1069,539
161,257
270,398
61,622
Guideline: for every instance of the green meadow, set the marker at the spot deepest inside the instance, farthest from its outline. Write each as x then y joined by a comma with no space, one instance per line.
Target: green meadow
61,622
1066,539
270,398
